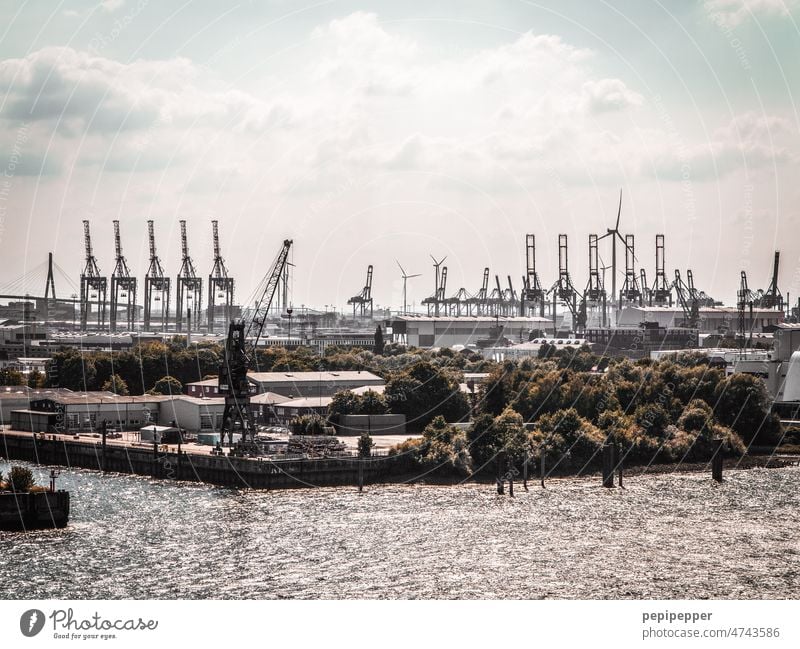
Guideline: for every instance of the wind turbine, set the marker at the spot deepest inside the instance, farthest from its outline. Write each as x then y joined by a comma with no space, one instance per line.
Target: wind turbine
406,277
614,234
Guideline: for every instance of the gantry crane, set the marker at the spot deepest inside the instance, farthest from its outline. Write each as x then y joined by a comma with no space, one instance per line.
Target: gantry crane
157,286
220,286
189,288
687,299
660,294
630,291
93,285
123,286
240,348
532,295
364,298
564,290
772,297
595,294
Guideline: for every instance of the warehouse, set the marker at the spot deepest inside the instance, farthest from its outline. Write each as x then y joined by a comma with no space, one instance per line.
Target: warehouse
311,384
86,411
192,414
428,331
712,319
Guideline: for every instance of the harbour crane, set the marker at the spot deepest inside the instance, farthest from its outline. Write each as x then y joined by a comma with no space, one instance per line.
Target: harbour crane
156,284
532,293
189,288
364,297
240,348
687,299
123,286
220,285
93,285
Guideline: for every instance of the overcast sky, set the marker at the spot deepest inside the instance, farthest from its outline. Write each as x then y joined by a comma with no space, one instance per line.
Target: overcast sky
369,131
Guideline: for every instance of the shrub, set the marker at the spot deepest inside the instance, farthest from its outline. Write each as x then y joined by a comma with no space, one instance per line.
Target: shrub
365,445
20,479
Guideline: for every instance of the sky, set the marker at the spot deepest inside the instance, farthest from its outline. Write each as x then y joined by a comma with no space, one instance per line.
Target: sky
377,132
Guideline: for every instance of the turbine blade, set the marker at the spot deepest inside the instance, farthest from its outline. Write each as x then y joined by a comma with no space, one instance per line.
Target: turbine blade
619,209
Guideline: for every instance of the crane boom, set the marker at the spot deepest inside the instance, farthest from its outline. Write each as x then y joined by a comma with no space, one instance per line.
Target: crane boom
255,325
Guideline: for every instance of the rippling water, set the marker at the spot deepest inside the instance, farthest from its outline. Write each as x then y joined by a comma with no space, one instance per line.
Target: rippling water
665,536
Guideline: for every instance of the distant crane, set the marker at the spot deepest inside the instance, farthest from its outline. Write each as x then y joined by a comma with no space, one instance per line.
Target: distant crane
630,291
405,277
157,286
438,294
687,299
595,293
772,298
660,294
240,347
123,286
220,286
189,288
564,290
93,285
532,293
364,298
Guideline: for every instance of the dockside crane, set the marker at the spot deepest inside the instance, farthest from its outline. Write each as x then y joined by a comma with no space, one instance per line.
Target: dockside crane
364,298
93,285
437,298
220,285
157,286
479,300
240,347
660,294
123,286
772,297
564,290
532,295
189,288
630,291
687,299
595,294
744,302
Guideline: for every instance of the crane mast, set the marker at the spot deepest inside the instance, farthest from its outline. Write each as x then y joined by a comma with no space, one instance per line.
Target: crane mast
189,288
93,285
123,286
240,346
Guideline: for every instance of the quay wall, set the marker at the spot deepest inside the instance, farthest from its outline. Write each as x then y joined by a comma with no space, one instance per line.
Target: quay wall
259,473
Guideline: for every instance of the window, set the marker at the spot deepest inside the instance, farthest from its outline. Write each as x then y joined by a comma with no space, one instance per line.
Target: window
206,422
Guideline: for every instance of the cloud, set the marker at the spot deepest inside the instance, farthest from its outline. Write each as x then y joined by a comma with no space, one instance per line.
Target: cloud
608,95
111,5
734,12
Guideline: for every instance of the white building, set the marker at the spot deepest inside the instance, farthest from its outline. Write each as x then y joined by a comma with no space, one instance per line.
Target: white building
430,331
712,319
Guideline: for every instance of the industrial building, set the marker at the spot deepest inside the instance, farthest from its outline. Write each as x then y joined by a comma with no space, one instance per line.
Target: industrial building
430,331
294,408
311,384
711,319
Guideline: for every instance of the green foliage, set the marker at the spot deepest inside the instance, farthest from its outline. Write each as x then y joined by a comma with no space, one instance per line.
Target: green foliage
10,376
379,344
166,385
20,479
36,380
309,425
743,404
116,385
345,402
567,437
365,445
444,447
421,392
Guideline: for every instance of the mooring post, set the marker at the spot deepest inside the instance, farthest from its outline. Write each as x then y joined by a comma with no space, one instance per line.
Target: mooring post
501,456
104,431
541,463
155,455
716,460
608,465
178,463
618,462
525,473
360,474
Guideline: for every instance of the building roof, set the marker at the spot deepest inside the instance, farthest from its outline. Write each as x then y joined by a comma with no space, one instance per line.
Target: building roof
207,382
379,389
475,319
99,397
270,397
311,377
308,402
708,310
201,401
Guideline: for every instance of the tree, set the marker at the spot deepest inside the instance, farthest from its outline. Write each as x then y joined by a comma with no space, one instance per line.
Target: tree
20,479
10,376
36,380
365,445
743,404
372,403
343,402
378,348
116,385
167,385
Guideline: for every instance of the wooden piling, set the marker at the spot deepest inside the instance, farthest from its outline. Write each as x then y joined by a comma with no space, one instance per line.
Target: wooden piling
541,463
104,432
716,460
618,462
360,474
525,473
608,465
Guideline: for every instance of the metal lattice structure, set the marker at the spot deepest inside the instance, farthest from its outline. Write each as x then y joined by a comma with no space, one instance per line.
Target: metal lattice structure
220,285
157,286
533,298
364,298
94,287
123,287
188,288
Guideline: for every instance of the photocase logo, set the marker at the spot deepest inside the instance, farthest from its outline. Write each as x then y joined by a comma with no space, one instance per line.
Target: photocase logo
31,622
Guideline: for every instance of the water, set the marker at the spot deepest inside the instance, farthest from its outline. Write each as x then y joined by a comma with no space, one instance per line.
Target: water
665,536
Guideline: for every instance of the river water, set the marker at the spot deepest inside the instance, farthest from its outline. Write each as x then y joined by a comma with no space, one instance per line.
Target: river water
664,536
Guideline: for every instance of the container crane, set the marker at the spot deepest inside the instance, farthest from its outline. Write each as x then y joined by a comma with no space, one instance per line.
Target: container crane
189,288
364,298
93,285
220,285
123,286
156,284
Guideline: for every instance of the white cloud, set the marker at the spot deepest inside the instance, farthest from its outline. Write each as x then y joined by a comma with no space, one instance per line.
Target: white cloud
111,5
734,12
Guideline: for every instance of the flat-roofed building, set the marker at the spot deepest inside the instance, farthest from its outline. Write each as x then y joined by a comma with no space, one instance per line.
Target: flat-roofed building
430,331
311,384
712,319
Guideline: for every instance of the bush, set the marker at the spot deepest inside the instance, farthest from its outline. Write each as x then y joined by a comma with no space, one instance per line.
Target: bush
20,479
365,445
